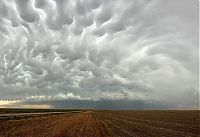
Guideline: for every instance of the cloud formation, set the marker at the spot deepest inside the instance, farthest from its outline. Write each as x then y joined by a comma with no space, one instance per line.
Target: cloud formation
94,50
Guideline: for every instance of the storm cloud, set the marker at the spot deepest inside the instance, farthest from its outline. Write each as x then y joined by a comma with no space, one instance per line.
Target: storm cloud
141,52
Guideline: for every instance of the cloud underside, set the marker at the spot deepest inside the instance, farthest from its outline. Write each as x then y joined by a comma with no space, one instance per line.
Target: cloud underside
140,52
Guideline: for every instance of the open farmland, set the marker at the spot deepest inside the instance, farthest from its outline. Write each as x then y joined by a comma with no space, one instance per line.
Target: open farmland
149,123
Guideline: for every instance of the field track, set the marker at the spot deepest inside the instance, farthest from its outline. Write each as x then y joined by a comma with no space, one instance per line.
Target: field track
106,124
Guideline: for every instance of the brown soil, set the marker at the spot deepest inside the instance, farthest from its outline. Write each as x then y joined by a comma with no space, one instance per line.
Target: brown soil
106,124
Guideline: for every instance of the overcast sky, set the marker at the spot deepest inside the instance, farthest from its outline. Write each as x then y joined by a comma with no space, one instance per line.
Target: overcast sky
99,53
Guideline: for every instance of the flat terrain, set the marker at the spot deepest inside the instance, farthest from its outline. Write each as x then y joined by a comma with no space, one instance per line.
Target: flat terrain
14,116
149,123
14,111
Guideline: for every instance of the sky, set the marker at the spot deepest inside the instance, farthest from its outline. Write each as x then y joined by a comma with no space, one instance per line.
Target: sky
99,54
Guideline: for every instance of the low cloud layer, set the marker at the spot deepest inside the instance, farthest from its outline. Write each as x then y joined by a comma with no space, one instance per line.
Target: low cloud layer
74,50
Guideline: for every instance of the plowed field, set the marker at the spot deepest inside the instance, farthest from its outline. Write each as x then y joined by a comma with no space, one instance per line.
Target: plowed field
106,124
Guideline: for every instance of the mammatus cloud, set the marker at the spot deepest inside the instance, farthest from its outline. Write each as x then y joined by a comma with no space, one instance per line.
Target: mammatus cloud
139,51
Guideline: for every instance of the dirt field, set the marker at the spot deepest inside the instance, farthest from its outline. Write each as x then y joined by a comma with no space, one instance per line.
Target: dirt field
106,124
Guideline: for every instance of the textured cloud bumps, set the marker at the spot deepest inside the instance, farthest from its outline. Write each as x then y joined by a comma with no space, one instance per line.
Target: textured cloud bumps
132,50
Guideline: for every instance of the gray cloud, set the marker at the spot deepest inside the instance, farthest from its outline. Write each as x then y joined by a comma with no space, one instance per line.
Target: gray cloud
141,51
